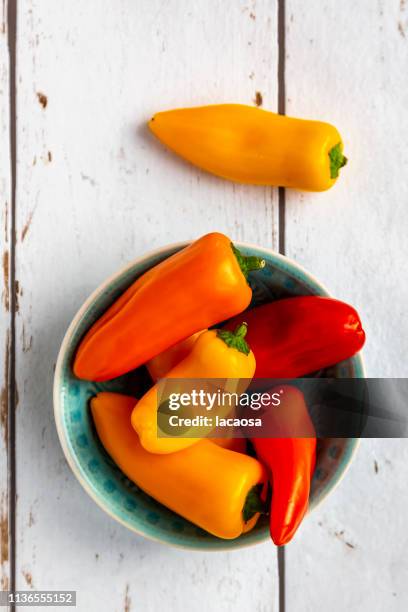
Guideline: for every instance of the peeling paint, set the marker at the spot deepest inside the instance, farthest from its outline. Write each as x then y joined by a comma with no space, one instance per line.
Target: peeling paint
42,98
28,578
401,29
27,225
6,278
128,601
376,468
4,404
4,535
4,413
258,98
17,294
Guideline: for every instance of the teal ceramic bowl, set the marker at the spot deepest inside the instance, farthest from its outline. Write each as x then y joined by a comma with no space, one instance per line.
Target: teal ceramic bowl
97,473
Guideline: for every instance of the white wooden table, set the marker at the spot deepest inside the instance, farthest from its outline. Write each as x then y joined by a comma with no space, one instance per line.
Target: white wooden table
84,189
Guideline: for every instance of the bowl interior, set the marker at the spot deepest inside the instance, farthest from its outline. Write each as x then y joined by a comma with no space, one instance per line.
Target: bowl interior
106,484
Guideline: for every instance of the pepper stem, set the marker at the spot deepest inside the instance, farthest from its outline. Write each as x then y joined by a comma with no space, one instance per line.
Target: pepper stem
247,263
253,503
337,160
235,339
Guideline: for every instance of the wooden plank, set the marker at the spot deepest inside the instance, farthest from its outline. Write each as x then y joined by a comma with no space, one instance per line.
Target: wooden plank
95,191
5,242
347,67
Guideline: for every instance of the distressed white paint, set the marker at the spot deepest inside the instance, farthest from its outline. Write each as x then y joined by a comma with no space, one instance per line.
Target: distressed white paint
110,193
349,67
94,191
5,295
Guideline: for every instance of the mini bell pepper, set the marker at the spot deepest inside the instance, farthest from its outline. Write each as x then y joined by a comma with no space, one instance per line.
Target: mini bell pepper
251,145
195,288
216,354
300,335
159,366
290,462
212,487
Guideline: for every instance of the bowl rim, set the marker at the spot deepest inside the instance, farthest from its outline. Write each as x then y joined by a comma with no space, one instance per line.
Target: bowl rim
174,247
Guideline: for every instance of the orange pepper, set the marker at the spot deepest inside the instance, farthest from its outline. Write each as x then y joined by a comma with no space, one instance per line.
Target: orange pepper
217,354
251,145
159,366
165,361
195,288
212,487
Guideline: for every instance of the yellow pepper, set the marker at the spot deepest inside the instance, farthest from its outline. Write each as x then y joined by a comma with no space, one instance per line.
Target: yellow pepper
251,145
159,366
217,489
216,354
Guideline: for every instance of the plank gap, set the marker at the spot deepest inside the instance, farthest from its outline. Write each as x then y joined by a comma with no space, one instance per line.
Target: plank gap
281,111
281,576
11,455
282,231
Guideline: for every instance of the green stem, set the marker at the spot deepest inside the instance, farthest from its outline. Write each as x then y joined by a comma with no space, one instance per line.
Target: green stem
235,339
247,263
337,160
253,503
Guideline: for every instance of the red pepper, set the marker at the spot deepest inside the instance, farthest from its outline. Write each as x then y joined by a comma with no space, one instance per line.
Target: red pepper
289,461
296,336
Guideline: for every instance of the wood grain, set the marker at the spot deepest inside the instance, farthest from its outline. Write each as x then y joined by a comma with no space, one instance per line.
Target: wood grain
95,191
5,242
346,67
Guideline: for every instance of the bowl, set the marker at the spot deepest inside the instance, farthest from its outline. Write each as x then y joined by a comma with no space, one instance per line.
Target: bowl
94,469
